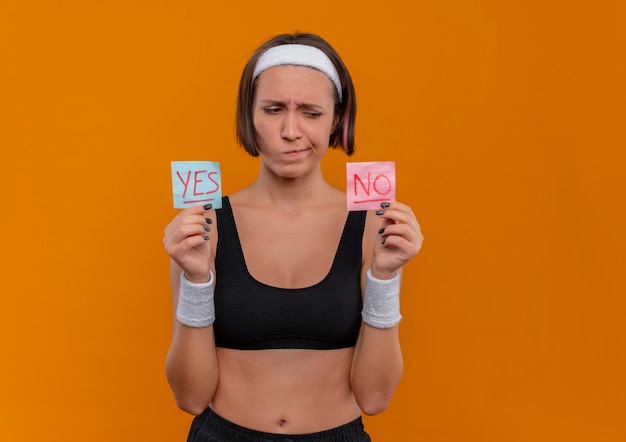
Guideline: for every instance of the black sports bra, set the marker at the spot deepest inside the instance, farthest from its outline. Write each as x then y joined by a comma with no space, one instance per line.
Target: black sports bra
251,315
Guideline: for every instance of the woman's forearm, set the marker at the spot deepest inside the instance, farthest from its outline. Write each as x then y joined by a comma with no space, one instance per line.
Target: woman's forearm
191,367
376,368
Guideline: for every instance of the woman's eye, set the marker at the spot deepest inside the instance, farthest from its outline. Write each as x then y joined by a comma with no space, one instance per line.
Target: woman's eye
271,110
313,114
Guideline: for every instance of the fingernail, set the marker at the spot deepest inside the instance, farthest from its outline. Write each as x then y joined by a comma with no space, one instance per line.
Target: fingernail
208,220
384,240
207,229
380,212
208,206
385,205
206,238
381,230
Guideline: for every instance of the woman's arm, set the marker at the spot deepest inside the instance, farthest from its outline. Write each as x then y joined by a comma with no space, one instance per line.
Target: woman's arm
191,364
376,368
377,364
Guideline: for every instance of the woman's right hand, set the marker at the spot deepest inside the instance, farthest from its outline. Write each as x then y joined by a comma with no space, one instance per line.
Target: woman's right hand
186,240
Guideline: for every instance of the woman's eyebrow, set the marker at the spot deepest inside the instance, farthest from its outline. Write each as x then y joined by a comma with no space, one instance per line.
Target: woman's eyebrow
269,101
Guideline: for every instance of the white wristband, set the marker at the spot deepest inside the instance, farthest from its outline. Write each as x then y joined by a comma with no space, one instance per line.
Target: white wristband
195,303
381,306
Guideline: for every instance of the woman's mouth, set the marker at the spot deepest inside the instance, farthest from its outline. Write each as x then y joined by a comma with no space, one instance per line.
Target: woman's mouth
296,152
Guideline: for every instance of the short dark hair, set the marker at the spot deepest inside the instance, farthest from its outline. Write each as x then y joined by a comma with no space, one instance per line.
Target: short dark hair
345,111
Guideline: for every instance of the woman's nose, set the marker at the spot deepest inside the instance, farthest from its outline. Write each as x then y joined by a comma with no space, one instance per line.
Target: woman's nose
291,129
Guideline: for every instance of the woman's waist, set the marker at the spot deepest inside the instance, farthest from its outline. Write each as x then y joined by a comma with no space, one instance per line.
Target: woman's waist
286,414
212,423
285,391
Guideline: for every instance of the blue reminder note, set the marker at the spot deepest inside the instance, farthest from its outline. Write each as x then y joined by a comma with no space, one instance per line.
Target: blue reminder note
195,183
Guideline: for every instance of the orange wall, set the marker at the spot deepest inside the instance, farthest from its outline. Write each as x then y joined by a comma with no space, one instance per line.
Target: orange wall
506,119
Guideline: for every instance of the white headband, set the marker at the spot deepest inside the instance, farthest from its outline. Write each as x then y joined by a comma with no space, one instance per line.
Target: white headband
299,55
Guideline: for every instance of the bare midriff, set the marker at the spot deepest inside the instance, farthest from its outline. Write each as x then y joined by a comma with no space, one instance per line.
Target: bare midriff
285,391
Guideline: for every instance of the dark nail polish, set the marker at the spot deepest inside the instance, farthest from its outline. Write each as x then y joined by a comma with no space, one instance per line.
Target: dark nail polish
380,212
207,229
384,240
384,205
208,206
208,220
381,230
206,238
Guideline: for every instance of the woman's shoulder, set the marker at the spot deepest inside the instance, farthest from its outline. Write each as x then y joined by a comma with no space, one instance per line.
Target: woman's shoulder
241,197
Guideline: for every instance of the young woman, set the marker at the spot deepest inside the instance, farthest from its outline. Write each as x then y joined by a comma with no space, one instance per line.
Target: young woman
287,305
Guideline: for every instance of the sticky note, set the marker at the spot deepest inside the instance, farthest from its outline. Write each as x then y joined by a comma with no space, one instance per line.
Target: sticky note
370,183
196,182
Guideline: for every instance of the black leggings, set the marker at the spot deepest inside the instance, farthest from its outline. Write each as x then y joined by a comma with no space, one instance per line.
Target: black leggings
209,427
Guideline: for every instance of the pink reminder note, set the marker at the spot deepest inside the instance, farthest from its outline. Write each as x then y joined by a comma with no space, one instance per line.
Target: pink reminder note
370,183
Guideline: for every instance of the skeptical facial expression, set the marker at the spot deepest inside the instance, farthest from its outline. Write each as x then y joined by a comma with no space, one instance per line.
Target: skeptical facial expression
293,118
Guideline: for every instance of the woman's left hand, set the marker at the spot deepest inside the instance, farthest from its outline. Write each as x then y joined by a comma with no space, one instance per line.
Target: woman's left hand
398,241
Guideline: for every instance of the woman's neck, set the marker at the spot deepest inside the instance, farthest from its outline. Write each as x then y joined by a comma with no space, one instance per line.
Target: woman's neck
291,193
